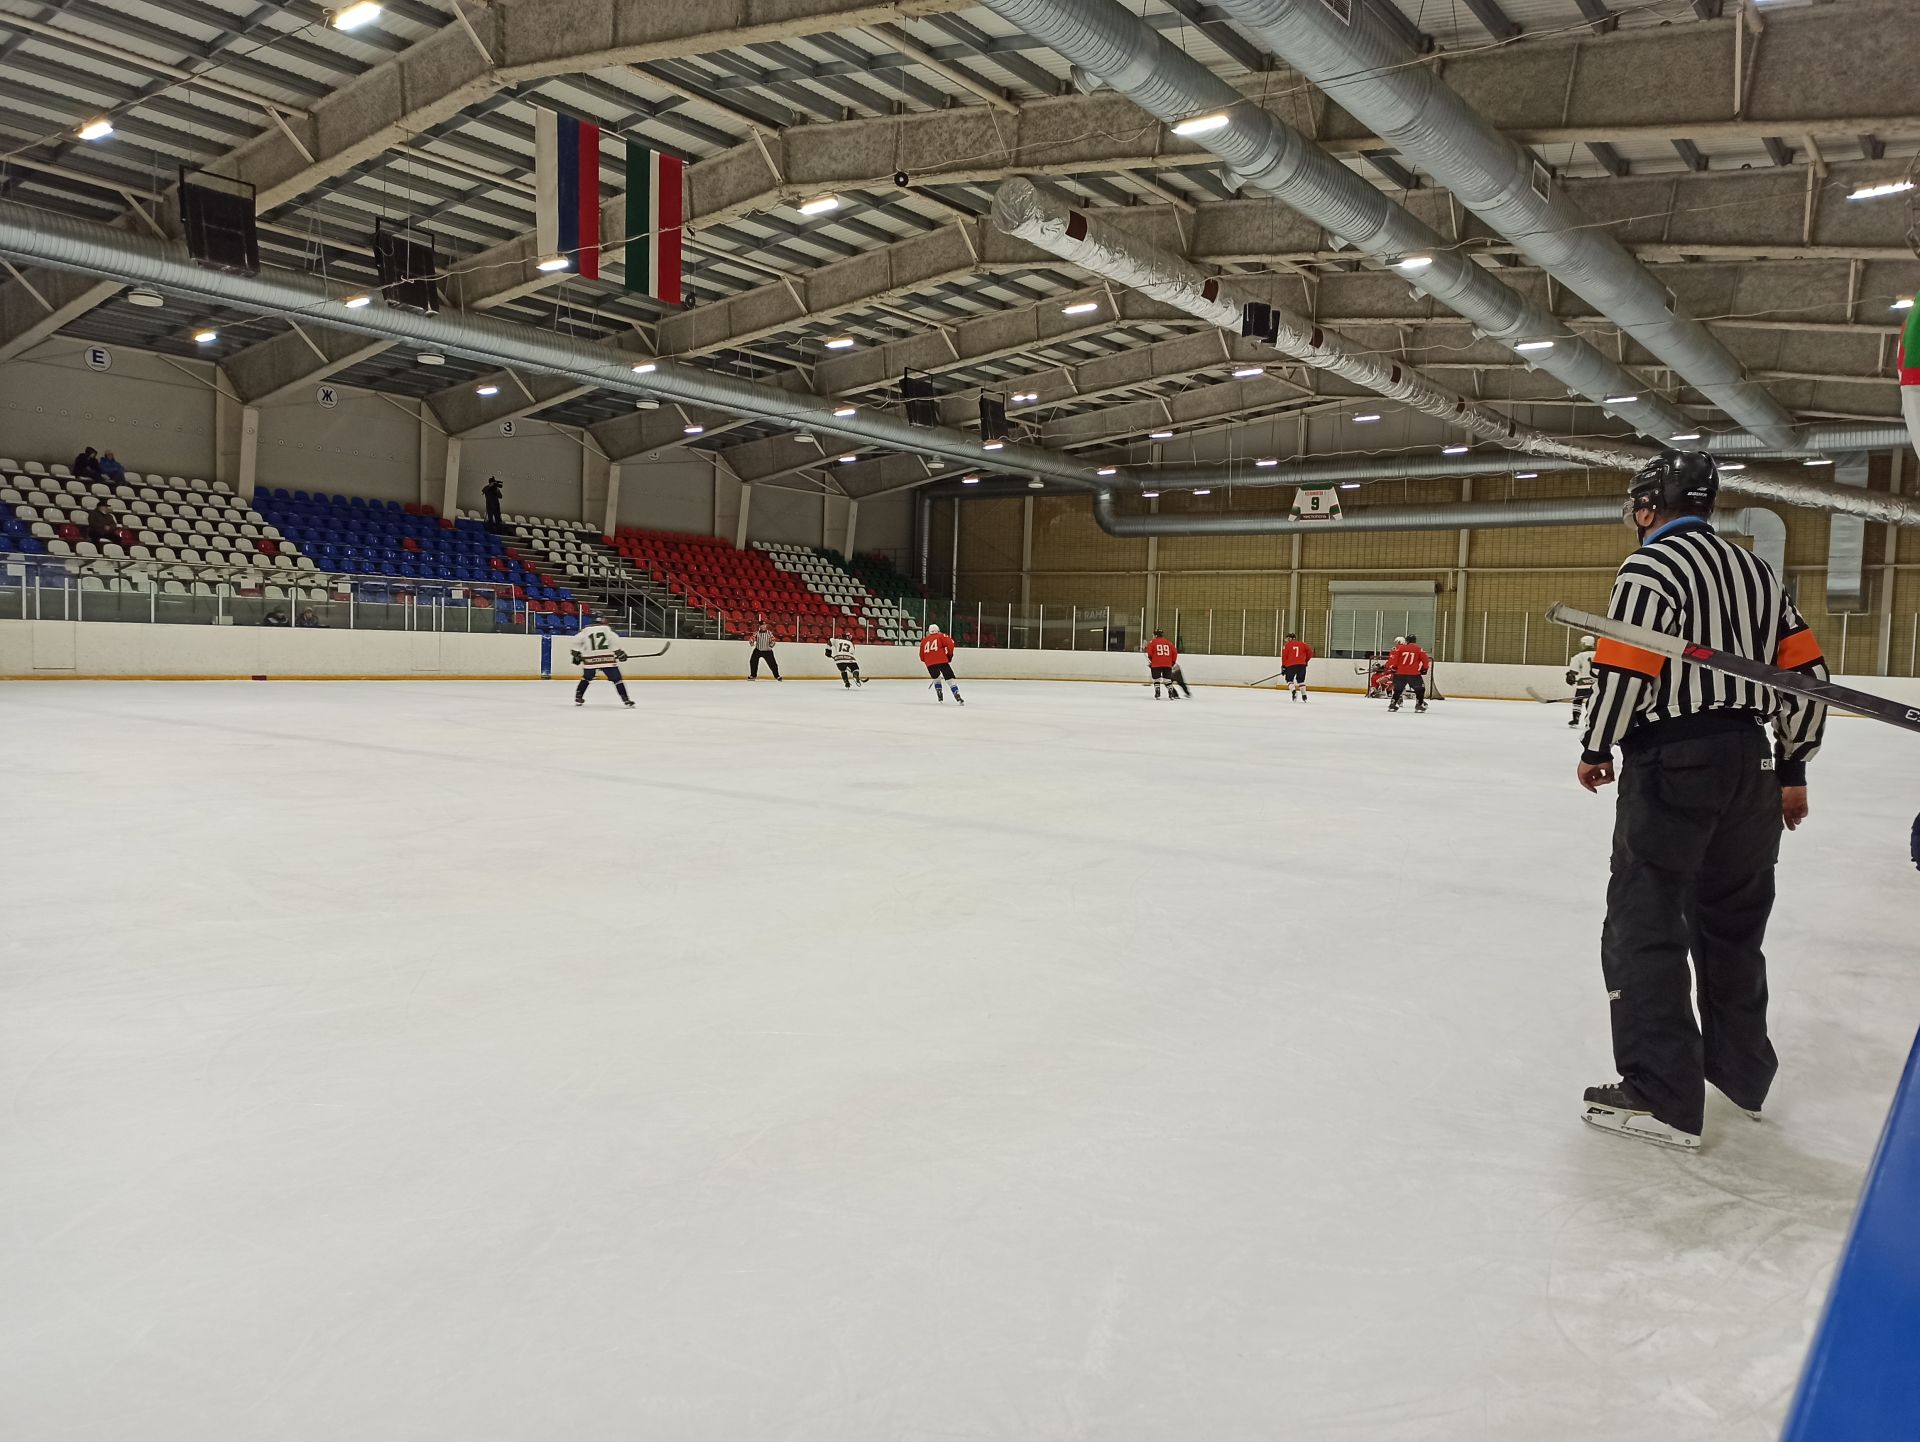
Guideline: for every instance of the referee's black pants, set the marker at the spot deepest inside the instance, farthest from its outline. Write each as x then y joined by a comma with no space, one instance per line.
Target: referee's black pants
1696,835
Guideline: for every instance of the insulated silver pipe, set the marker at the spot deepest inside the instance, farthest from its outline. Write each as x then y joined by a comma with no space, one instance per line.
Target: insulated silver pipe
1049,220
1470,516
63,243
1815,440
1371,73
1120,49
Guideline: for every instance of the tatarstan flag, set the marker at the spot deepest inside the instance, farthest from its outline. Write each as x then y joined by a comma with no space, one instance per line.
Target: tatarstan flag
655,215
1910,376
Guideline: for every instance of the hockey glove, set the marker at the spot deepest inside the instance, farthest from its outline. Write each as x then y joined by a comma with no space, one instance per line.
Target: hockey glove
576,658
619,655
1573,678
1916,841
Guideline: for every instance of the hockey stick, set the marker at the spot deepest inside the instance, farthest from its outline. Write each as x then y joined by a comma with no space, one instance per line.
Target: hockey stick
1264,679
665,646
1861,703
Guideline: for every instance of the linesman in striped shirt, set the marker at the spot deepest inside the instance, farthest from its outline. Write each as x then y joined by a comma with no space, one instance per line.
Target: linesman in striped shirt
1703,797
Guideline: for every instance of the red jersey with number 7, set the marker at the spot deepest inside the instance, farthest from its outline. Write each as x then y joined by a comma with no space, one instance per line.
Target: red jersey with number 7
1161,652
1295,653
936,648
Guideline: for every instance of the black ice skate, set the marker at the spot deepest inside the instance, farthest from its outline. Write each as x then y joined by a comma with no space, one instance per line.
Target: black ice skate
1616,1107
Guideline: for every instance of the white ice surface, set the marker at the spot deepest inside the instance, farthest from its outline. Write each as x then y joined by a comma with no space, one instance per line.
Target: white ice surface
438,1062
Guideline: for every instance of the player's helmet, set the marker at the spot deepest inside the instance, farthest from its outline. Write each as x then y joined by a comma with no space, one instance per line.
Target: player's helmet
932,626
1679,482
1158,632
1587,641
1399,640
1412,639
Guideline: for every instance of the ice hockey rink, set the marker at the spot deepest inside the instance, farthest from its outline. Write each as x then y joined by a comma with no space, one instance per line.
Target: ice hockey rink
396,1061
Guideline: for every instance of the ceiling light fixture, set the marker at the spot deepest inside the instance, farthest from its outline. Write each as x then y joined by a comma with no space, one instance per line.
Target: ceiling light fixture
1454,450
1036,484
352,17
1248,372
692,430
1685,436
993,445
840,342
969,480
1267,462
431,358
1904,303
1080,307
551,263
98,128
1026,398
849,458
1526,475
1811,461
1735,466
1412,263
1159,435
1349,485
488,390
1108,471
146,299
819,205
206,337
1622,400
357,302
1368,419
1883,189
1203,491
1149,495
1528,347
844,411
1202,124
645,368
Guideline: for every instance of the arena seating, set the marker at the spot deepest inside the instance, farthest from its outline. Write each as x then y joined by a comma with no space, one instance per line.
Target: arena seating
408,547
871,616
735,587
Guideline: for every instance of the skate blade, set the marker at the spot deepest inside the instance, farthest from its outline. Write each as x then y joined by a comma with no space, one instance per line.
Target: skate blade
1640,1126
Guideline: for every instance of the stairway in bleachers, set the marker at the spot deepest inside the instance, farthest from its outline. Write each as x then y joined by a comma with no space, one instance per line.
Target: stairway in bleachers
597,573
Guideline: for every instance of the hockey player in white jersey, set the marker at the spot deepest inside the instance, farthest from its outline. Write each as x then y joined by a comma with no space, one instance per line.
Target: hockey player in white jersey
1580,677
595,650
840,652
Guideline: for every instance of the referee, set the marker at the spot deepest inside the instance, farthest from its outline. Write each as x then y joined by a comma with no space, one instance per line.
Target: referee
1702,800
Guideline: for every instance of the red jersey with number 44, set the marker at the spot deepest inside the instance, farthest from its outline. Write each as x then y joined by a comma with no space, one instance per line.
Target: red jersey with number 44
1295,653
1409,660
1162,652
936,649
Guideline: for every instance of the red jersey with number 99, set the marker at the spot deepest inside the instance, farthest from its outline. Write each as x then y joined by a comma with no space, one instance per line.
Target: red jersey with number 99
936,648
1161,652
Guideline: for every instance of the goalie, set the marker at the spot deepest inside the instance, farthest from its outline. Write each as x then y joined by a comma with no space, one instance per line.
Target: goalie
597,649
1580,677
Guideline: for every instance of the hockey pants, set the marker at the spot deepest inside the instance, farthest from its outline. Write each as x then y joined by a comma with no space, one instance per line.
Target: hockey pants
612,673
753,668
1415,684
1696,834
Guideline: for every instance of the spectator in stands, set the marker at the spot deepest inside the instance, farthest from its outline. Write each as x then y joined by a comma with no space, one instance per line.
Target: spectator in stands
111,471
102,524
762,651
310,621
493,490
86,465
275,617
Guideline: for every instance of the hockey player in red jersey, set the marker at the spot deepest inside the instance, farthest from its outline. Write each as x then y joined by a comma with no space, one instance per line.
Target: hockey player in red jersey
1294,657
1409,664
1162,659
936,652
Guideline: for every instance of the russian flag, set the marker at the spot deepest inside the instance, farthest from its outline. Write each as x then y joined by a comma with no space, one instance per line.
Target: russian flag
566,172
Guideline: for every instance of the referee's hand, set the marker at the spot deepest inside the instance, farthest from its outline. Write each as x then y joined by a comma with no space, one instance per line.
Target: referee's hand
1594,775
1793,806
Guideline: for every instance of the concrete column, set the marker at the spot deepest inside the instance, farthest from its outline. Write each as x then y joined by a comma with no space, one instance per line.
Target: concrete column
449,499
1026,552
1464,556
1889,575
746,512
853,529
594,483
610,516
227,413
1293,586
249,472
1152,618
433,460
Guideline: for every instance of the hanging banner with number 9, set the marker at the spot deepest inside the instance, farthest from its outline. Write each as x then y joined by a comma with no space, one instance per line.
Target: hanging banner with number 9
1316,503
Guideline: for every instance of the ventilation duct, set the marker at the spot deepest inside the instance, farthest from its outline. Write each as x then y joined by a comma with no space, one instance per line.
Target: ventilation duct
76,245
1046,219
1815,440
1104,40
1371,73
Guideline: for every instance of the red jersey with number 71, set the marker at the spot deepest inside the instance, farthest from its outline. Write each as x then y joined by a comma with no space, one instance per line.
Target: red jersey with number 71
1408,659
1161,652
936,649
1295,653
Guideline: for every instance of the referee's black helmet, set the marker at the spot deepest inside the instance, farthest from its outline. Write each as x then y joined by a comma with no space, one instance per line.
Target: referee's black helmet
1677,482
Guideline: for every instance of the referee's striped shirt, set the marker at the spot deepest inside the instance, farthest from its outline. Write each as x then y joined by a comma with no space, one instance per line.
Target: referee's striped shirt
1687,581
